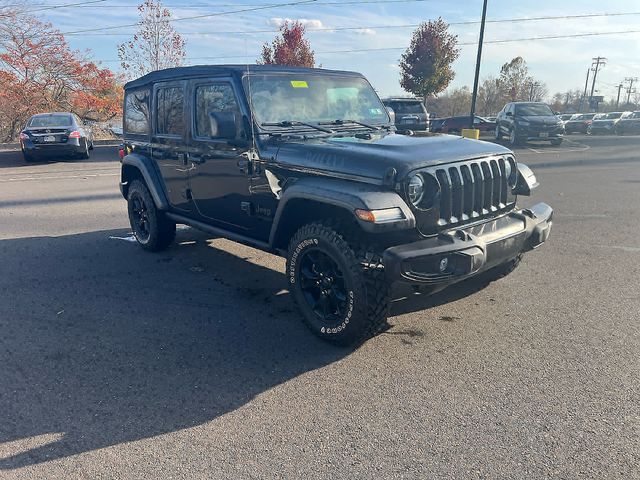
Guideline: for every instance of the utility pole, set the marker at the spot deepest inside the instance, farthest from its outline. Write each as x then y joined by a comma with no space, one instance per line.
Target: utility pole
533,85
474,96
631,81
586,85
597,61
618,99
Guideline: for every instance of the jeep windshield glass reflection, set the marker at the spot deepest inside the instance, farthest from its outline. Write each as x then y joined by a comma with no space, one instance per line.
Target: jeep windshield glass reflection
313,99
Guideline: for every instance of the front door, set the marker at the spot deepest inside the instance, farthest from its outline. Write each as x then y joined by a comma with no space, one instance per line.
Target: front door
220,167
168,144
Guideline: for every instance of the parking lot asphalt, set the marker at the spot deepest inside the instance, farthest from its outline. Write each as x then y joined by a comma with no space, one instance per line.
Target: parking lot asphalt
193,363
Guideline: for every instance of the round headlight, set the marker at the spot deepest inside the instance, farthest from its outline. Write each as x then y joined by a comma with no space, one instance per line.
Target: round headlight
508,168
415,189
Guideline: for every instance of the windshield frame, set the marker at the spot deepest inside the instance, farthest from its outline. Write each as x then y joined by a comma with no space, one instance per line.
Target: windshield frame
246,86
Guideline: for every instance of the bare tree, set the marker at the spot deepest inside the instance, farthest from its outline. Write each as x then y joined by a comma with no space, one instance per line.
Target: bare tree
490,99
157,44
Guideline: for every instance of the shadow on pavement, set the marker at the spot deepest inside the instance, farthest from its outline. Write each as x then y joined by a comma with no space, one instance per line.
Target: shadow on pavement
13,158
103,343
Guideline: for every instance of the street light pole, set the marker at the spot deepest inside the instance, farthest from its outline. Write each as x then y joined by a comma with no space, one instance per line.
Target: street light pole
477,77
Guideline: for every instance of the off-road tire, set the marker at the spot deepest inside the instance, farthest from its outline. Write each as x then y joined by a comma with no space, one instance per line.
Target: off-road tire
161,231
502,270
367,289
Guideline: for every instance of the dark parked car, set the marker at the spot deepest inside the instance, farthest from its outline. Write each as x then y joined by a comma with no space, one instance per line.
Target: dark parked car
629,124
305,163
565,117
579,123
524,121
55,134
454,125
411,114
605,123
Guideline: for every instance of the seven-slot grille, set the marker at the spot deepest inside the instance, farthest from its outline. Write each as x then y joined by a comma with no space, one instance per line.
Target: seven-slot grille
473,189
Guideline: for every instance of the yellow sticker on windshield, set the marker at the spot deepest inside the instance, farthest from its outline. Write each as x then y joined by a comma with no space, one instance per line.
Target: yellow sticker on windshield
299,84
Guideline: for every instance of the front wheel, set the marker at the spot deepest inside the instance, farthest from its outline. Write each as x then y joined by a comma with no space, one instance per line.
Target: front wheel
513,138
340,288
498,133
151,228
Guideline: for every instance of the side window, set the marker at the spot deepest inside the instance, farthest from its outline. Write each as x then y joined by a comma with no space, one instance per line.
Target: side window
170,111
214,98
136,112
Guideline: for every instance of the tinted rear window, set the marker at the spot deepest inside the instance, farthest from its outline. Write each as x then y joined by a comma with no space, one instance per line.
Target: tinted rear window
170,111
51,121
407,107
136,112
534,110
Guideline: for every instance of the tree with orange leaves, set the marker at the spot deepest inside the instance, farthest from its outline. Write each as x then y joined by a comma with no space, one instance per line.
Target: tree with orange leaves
39,72
289,48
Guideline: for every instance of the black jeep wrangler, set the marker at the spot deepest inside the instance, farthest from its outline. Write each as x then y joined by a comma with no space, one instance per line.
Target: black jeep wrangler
305,163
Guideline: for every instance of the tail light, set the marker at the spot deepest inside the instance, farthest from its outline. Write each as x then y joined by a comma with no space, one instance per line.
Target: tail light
588,122
75,134
24,136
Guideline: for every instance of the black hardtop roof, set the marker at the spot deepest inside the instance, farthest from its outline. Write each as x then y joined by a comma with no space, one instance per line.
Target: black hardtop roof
206,70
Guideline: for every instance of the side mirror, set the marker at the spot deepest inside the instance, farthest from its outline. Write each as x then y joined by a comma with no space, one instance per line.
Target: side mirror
509,114
392,114
223,125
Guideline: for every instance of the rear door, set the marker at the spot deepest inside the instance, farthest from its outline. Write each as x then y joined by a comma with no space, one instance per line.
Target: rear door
169,141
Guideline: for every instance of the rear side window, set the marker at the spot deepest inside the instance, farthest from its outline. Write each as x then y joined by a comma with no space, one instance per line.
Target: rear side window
215,98
136,112
170,111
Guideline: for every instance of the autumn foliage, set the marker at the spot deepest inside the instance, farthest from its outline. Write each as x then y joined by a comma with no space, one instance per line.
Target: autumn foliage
426,65
39,72
290,47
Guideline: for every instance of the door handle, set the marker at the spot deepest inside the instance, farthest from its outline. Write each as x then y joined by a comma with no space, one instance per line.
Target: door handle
184,158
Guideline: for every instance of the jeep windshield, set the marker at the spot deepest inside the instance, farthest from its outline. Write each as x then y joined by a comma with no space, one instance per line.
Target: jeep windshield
534,110
292,101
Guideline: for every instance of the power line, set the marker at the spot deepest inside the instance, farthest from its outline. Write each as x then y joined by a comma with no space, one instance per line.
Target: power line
328,29
56,7
366,27
365,50
195,17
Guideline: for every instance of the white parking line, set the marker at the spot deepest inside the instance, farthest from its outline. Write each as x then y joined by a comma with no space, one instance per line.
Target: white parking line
88,175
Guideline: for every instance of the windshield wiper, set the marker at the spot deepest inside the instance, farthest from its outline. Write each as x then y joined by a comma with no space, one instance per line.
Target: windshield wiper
294,123
342,122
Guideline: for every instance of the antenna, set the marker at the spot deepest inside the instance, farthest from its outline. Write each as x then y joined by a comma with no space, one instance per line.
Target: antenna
253,133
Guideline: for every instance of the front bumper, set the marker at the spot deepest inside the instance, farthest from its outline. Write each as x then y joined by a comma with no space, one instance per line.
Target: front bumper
458,254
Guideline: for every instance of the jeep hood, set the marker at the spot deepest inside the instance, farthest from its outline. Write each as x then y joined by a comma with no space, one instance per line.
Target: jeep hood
372,158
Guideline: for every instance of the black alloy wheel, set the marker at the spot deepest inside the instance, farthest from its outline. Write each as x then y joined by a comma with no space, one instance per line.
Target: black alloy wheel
151,227
139,216
323,287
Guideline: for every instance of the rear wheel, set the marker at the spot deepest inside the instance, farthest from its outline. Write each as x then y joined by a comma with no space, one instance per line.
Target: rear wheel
151,227
85,154
340,288
28,158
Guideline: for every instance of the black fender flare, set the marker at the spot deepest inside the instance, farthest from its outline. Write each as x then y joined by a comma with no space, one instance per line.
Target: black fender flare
348,196
147,169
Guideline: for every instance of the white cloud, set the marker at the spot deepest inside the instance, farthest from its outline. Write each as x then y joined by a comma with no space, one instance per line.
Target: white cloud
311,23
365,31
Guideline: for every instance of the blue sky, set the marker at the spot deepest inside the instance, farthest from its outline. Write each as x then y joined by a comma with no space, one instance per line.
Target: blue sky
561,63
